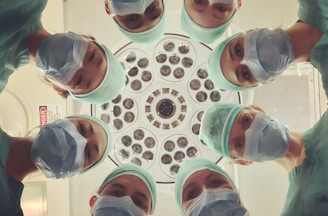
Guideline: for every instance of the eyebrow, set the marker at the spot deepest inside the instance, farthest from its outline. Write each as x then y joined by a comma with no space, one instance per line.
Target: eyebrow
118,185
91,128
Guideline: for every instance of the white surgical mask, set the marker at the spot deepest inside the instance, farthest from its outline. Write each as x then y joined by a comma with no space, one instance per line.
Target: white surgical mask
116,206
267,53
126,7
58,149
216,202
265,139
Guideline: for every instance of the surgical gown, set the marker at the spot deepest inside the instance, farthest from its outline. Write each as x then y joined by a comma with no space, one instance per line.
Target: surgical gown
308,189
10,189
18,20
315,13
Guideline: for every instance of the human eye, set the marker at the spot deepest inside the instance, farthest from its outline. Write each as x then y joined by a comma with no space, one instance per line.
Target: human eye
192,193
246,120
239,146
215,182
78,81
117,193
82,129
140,203
238,50
87,153
92,56
221,8
198,1
246,74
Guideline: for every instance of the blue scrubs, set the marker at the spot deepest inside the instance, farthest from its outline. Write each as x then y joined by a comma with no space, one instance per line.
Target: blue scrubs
18,20
315,13
10,189
308,189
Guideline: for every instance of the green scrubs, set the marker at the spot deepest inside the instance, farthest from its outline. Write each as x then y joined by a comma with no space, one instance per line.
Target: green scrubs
10,189
315,13
18,20
308,189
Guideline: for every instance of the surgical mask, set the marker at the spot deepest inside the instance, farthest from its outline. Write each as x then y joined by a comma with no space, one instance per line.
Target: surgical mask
58,149
265,139
126,7
60,56
222,1
116,206
217,202
267,53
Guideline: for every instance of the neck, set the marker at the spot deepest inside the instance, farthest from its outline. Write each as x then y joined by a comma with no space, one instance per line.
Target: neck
34,41
296,152
19,163
304,37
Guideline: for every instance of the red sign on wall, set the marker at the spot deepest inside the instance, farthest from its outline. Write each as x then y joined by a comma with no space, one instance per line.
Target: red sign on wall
43,115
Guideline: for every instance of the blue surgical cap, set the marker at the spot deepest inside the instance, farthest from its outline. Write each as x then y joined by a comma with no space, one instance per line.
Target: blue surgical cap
214,67
107,131
199,33
132,169
148,36
216,126
111,85
190,167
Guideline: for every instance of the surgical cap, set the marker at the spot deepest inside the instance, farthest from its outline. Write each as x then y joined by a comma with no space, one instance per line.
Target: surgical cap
199,33
148,36
111,85
190,167
216,126
214,67
132,169
108,134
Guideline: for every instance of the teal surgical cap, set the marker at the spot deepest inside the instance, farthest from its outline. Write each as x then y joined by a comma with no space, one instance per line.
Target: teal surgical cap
132,169
110,86
107,131
148,36
216,126
199,33
214,67
190,167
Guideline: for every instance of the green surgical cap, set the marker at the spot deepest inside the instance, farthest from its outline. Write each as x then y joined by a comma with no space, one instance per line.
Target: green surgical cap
214,67
149,36
190,167
107,131
111,85
132,169
216,126
199,33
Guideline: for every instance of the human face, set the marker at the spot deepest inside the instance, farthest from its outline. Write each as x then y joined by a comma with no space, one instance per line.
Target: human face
200,180
96,140
129,185
142,22
237,135
209,15
235,72
93,71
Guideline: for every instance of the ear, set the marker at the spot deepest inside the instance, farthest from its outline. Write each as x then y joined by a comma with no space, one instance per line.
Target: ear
92,200
239,4
62,92
107,7
257,108
243,162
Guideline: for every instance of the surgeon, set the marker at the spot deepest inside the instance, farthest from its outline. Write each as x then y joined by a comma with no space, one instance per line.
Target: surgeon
206,20
73,64
142,21
246,134
128,190
246,60
204,189
61,149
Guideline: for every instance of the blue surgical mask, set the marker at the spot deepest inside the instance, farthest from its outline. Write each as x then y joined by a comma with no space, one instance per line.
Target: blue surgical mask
60,56
116,206
126,7
58,149
267,53
217,202
265,139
